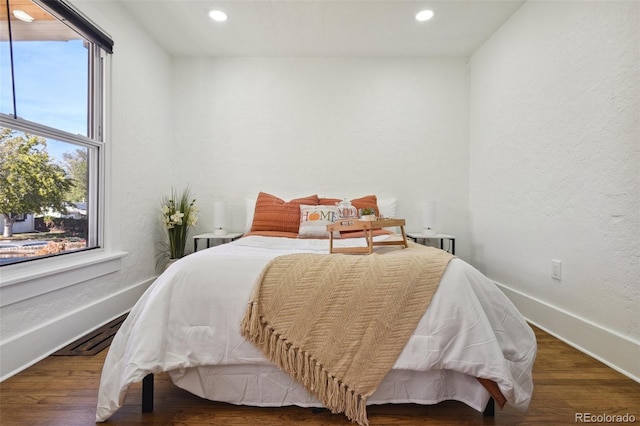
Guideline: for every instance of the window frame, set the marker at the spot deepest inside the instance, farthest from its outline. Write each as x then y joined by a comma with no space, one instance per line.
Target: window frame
99,45
96,178
24,280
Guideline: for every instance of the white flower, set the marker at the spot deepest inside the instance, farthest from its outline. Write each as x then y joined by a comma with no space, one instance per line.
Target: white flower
178,214
177,218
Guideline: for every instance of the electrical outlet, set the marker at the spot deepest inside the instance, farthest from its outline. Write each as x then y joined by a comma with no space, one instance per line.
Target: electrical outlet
556,270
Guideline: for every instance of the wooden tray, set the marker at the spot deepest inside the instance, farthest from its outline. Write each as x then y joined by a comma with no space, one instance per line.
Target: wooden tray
368,226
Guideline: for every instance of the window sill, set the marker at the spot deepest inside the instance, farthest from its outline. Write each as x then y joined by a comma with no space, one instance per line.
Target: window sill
25,281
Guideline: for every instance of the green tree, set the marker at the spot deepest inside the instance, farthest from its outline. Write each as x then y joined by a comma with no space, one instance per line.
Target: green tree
76,166
29,180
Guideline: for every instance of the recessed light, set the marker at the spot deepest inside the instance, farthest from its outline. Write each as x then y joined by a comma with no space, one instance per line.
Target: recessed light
424,15
218,15
22,15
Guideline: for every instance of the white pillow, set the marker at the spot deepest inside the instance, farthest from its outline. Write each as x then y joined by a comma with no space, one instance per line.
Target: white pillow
387,207
250,208
314,220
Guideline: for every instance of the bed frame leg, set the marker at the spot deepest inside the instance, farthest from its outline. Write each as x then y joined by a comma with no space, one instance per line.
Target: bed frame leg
147,393
490,409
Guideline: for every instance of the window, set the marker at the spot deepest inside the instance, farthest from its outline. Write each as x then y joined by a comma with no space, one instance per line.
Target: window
51,129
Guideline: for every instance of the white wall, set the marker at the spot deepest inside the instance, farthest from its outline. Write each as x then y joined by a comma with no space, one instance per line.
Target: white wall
332,126
554,170
139,173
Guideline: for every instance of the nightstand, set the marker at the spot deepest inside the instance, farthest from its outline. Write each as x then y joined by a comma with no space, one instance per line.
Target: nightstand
230,236
451,238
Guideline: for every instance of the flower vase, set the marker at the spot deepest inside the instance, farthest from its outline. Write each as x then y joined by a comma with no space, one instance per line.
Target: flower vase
170,262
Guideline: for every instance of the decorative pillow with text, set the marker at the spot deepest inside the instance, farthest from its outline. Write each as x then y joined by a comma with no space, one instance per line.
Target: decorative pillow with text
314,220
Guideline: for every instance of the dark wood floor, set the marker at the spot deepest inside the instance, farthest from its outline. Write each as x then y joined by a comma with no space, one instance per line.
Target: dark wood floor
62,390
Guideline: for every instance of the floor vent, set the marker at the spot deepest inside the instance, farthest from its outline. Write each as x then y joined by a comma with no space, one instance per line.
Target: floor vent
93,342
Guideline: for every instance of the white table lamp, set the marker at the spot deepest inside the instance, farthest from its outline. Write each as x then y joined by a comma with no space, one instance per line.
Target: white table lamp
428,218
220,217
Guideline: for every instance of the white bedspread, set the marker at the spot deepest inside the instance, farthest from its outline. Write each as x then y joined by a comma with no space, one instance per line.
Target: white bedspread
190,317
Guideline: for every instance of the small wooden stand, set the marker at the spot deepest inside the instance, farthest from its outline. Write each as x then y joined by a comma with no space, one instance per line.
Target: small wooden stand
368,226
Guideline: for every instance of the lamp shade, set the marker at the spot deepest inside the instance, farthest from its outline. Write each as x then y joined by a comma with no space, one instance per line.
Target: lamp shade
220,217
428,217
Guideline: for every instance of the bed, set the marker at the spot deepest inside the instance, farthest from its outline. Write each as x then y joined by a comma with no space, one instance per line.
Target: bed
188,324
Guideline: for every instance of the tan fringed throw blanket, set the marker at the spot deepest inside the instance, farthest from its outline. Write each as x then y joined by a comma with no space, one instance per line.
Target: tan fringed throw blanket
337,323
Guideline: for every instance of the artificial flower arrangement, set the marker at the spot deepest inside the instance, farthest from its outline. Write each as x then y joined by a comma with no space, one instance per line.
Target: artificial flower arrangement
179,213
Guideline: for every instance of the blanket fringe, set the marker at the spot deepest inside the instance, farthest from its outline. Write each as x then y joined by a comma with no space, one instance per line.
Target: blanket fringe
335,395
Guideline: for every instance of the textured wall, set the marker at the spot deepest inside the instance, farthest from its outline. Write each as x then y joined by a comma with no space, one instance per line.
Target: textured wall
554,158
335,126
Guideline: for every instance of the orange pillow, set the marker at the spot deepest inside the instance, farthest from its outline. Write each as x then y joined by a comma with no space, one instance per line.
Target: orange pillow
272,234
274,214
370,201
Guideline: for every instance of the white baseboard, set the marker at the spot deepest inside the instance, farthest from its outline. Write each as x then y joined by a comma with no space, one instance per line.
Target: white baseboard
614,350
24,350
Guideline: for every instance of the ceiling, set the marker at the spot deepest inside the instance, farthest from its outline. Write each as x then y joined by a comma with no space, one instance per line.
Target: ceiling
322,27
